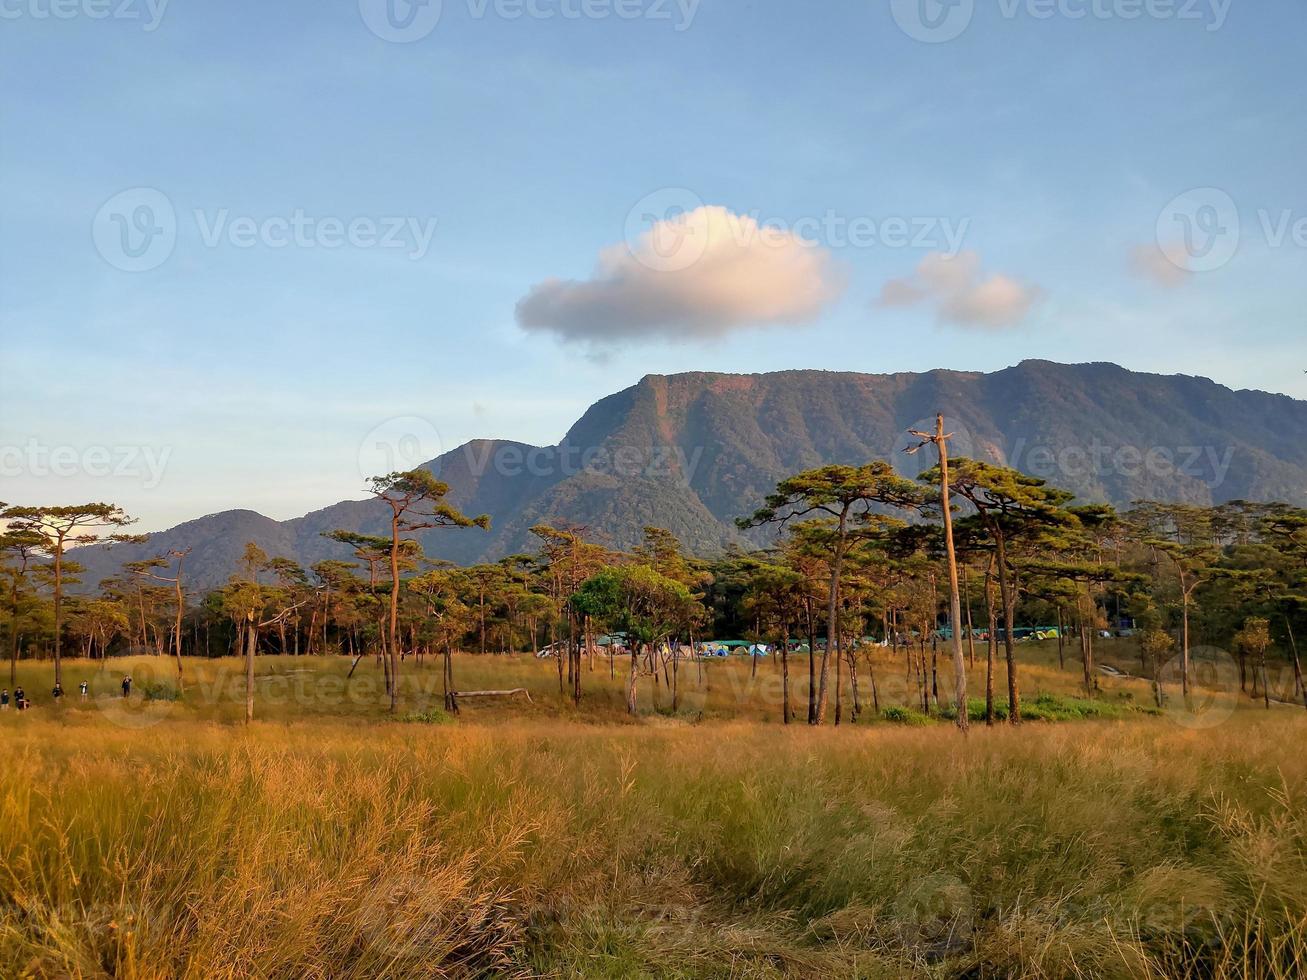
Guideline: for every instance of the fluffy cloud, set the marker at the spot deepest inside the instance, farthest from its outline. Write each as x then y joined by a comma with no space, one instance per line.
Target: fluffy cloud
954,285
701,274
1163,265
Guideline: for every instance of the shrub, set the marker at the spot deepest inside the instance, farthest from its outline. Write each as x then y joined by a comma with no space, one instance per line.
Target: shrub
904,716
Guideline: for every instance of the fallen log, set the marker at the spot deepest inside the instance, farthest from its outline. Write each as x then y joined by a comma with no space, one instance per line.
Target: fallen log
457,695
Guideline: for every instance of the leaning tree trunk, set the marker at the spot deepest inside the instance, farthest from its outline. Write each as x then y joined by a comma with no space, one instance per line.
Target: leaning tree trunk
181,683
1299,687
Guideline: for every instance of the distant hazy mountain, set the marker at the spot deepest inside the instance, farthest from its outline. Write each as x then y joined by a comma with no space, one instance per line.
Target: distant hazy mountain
690,452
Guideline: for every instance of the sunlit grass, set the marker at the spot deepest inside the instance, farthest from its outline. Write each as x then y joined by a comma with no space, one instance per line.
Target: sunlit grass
296,688
166,840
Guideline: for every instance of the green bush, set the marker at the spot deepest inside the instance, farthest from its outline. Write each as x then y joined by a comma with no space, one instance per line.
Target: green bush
160,692
904,716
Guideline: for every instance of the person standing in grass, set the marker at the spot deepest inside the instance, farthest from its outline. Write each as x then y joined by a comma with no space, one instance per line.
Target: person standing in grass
127,685
4,699
20,699
82,689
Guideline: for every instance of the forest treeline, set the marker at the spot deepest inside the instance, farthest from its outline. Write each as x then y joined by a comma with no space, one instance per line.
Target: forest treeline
862,553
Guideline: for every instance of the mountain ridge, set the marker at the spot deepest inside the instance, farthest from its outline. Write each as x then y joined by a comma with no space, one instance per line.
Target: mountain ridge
691,451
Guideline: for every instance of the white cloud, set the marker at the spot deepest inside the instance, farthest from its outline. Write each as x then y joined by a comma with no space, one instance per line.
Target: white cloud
1163,265
701,275
954,285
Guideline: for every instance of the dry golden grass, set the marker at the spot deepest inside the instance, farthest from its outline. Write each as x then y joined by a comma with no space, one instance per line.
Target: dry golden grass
328,842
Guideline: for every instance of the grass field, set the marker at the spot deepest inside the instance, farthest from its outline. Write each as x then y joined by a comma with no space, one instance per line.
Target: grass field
164,839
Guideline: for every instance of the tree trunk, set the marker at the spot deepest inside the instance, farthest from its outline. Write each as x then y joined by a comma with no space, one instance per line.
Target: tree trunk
252,640
1266,686
1009,625
631,679
992,645
1184,642
839,677
393,635
676,677
785,678
1061,641
1087,642
832,620
181,605
971,630
1299,687
58,609
812,665
955,601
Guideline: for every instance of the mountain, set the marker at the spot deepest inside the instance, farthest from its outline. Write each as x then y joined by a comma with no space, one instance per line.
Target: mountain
690,452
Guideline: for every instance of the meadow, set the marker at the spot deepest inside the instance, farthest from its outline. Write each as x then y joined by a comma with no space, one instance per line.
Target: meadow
161,838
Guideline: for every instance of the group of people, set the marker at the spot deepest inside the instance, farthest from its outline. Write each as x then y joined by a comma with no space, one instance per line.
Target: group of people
22,702
20,699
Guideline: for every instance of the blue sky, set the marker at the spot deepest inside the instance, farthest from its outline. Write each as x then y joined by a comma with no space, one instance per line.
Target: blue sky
504,150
